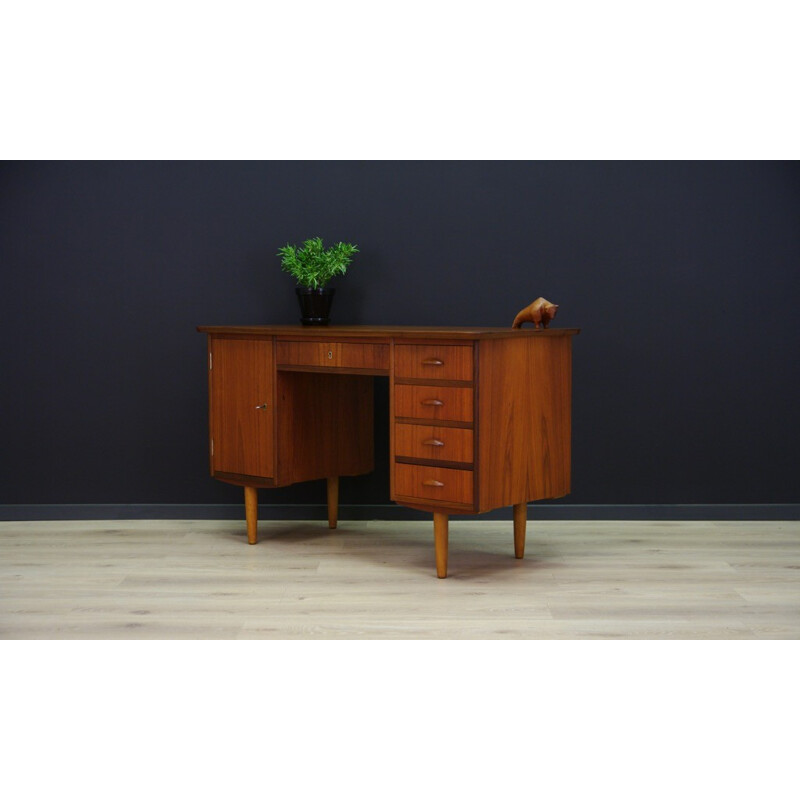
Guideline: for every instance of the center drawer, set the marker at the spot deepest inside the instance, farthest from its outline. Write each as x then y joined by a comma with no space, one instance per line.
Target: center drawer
450,403
354,355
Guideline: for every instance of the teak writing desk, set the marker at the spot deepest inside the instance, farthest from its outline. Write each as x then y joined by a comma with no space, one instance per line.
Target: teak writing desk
480,418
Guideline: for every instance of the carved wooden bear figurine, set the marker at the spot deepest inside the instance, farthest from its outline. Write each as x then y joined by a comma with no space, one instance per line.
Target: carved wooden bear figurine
540,310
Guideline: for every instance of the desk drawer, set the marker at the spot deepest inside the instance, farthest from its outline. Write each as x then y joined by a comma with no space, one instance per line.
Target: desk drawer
354,355
430,441
448,362
433,402
433,483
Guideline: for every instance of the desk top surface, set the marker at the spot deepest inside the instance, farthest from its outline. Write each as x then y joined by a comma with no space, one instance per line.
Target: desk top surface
382,331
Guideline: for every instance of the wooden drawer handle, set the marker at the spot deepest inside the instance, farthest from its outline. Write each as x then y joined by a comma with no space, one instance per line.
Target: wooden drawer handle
432,402
431,482
433,362
434,442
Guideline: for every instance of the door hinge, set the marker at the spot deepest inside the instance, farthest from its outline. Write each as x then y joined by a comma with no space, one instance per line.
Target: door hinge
212,447
211,361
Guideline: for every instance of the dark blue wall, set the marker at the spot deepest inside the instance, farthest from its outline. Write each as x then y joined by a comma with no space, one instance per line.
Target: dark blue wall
684,277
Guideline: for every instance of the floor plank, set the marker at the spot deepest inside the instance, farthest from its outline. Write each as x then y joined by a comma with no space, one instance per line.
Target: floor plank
186,579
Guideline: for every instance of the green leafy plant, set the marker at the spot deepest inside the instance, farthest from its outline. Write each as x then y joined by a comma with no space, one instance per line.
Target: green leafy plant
312,265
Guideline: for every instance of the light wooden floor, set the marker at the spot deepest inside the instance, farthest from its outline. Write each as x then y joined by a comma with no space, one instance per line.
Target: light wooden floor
200,580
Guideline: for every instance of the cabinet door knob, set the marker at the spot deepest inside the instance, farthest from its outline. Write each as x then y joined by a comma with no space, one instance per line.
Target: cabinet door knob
434,442
432,402
261,407
431,482
433,362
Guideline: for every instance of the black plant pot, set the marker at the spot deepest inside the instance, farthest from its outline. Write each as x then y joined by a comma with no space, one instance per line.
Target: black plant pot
315,305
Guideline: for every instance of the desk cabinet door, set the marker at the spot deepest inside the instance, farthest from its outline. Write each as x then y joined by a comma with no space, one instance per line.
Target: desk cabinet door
241,406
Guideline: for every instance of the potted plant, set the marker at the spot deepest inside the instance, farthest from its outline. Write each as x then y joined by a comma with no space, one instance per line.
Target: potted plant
312,267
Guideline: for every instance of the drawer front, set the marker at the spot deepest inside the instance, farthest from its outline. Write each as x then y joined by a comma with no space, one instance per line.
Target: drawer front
333,354
429,441
433,483
433,402
449,362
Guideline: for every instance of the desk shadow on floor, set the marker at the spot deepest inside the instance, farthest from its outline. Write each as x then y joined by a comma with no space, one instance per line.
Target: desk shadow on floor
400,548
414,550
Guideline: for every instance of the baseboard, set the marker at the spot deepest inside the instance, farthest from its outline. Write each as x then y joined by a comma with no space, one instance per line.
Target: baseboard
542,511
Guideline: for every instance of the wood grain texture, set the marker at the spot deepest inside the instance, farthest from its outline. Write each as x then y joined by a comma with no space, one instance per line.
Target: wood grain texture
438,334
524,434
440,423
433,442
539,312
520,523
195,579
325,426
444,362
333,370
433,402
440,543
434,382
392,439
245,480
241,406
356,355
251,513
433,483
500,404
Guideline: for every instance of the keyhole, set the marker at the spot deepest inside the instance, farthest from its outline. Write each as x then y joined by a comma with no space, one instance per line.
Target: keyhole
330,354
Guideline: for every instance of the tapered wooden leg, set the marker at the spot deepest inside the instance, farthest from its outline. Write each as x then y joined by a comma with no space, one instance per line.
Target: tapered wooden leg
251,512
440,542
333,501
520,518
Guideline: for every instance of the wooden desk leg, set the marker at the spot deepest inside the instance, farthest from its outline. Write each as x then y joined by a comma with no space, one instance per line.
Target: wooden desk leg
333,501
520,518
440,542
251,512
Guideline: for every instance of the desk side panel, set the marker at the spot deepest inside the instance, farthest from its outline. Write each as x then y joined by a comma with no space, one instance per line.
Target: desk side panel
524,424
